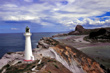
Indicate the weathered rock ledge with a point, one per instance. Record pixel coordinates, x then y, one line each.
13 63
73 57
74 60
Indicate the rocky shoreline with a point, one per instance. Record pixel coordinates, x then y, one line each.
73 59
72 55
45 61
55 56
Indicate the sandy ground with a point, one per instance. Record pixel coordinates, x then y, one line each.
99 51
78 42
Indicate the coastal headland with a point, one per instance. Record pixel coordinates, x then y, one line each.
60 54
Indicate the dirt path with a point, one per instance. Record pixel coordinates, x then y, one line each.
80 39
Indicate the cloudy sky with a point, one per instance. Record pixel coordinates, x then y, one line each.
52 15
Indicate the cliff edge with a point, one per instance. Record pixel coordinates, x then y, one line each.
77 61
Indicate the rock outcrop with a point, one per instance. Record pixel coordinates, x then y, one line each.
47 65
75 58
11 58
70 60
101 33
46 42
13 62
86 63
80 30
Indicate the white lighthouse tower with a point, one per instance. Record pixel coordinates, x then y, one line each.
28 56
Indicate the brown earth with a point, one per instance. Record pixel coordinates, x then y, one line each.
68 53
48 65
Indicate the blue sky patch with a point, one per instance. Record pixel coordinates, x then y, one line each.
52 15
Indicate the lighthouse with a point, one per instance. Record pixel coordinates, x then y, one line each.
28 56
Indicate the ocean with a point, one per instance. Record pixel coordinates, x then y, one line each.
13 42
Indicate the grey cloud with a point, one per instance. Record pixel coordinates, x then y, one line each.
53 10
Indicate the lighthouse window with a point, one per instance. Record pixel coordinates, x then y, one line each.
27 29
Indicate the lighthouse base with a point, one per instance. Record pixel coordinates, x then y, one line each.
31 58
28 60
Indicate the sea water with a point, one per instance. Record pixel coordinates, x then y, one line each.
13 42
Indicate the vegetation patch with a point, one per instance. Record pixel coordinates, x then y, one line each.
19 68
56 66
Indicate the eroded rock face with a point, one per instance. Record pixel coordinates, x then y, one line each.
77 61
79 28
68 53
52 66
11 58
47 65
75 58
46 43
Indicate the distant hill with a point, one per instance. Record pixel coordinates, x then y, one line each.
80 30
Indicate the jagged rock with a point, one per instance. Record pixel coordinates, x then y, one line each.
79 28
70 54
75 59
47 65
88 64
42 44
46 43
11 58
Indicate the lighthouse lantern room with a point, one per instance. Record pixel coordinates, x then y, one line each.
28 56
